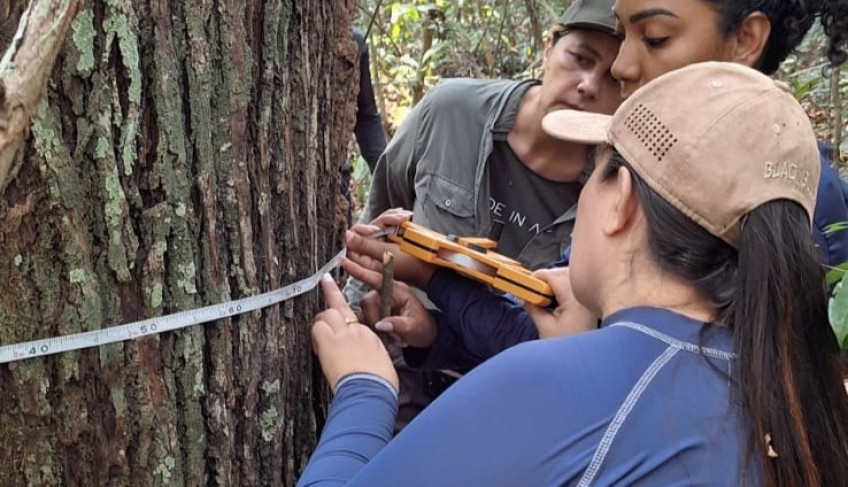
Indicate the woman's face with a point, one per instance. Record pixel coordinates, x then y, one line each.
577 72
662 35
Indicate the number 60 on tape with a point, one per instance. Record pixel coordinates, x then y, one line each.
183 319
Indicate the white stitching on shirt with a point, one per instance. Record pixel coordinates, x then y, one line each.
621 415
711 352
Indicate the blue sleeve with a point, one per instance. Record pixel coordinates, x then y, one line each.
474 323
831 207
359 425
459 439
447 352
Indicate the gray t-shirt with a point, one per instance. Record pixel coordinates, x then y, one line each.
525 202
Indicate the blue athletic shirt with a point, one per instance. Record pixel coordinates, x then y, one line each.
475 324
644 400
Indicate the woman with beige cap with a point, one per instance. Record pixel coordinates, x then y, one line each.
714 363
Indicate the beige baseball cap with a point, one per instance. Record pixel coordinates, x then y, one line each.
715 140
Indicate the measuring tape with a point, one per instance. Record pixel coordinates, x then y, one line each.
152 326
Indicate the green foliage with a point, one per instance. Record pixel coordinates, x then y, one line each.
836 227
837 311
837 306
361 176
836 274
477 38
504 39
810 78
810 83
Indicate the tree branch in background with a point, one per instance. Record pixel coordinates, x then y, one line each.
535 26
25 69
552 12
497 54
427 33
836 103
484 32
386 35
374 66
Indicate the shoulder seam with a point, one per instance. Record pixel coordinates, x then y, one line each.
674 342
622 413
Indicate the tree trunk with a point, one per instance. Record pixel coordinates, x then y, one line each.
185 153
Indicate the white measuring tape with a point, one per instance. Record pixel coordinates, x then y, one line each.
152 326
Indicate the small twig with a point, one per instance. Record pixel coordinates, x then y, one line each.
483 33
386 36
552 12
427 34
386 293
378 85
535 26
386 285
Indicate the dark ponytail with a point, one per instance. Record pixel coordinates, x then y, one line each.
788 375
790 372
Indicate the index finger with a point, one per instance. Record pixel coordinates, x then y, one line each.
370 277
393 217
334 297
368 246
365 229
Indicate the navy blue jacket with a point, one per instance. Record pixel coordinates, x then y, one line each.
831 208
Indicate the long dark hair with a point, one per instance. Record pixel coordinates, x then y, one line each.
770 291
790 20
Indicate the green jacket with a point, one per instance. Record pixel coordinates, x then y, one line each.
436 165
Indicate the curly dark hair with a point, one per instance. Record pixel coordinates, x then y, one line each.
790 21
834 18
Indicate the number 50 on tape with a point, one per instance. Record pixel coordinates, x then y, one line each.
151 326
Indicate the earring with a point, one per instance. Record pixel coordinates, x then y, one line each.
770 451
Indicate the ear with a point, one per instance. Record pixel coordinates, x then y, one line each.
750 39
624 206
546 52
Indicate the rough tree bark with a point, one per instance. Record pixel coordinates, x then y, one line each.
186 152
